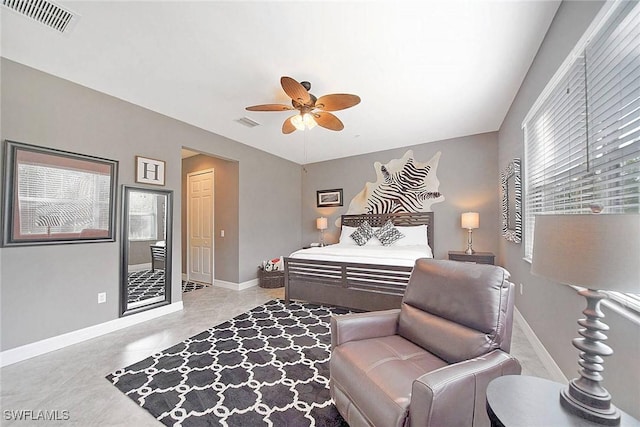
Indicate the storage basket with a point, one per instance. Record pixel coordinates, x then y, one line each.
270 279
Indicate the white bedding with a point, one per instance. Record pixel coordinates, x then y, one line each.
384 255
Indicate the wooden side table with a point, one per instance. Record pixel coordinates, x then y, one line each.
477 257
523 401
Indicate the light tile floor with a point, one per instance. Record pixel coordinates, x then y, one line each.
73 379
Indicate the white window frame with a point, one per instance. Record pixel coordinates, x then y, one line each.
629 303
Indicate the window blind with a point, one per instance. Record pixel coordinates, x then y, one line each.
582 138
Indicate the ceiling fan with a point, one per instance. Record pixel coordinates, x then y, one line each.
312 111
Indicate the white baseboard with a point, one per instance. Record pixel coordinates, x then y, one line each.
18 354
236 286
540 350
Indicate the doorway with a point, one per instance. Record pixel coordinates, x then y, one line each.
200 226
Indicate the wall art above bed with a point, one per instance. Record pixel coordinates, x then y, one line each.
402 185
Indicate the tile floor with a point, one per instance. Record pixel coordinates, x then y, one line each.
72 379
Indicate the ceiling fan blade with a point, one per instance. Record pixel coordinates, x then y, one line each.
269 107
328 121
295 90
287 126
337 101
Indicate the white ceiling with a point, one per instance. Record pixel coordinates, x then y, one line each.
425 70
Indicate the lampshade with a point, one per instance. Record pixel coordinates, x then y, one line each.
470 220
594 251
321 223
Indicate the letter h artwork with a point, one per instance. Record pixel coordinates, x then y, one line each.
149 171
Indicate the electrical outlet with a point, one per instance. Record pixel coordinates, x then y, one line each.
102 297
221 233
521 289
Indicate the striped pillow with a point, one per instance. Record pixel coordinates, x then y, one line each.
388 234
362 234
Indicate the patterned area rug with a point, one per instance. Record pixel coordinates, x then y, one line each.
266 367
145 284
192 286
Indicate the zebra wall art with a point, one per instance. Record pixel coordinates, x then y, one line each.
402 185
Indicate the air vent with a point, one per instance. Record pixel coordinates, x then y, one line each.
45 12
248 122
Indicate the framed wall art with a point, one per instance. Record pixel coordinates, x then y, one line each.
511 189
149 171
327 198
53 196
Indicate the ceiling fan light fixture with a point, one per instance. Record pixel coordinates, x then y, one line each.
303 121
309 121
312 111
297 122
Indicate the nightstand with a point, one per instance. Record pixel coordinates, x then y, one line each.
518 400
477 257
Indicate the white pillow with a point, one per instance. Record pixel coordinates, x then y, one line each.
413 235
345 235
374 240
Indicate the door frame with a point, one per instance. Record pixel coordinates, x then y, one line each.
213 221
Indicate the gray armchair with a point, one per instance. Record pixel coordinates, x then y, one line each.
429 362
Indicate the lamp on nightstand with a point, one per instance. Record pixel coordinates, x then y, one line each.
598 252
470 220
321 224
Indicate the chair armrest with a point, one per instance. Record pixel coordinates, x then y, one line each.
456 394
360 326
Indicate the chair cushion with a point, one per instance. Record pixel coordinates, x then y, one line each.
446 299
386 368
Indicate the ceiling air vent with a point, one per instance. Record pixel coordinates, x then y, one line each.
45 12
248 122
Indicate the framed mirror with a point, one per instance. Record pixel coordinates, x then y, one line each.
146 249
511 188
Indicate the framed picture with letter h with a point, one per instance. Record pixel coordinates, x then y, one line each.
149 171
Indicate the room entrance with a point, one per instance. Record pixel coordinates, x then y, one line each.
200 220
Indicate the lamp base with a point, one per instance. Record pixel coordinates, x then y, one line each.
585 396
572 398
469 250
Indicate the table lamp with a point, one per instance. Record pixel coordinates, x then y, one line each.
599 252
321 224
470 220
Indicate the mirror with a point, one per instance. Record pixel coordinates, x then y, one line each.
511 188
146 249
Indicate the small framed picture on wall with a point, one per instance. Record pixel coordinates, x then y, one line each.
328 198
149 171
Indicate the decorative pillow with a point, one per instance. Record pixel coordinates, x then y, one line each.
388 234
362 234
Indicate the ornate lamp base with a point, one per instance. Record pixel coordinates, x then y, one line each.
469 250
585 396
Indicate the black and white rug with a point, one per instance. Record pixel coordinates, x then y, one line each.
266 367
145 284
188 286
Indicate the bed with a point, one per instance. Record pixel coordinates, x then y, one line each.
373 280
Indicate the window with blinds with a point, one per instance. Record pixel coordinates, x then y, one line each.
143 216
582 137
58 200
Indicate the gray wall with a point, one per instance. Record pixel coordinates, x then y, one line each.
550 309
468 181
226 213
50 290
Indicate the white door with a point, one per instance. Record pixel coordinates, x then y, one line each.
200 225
